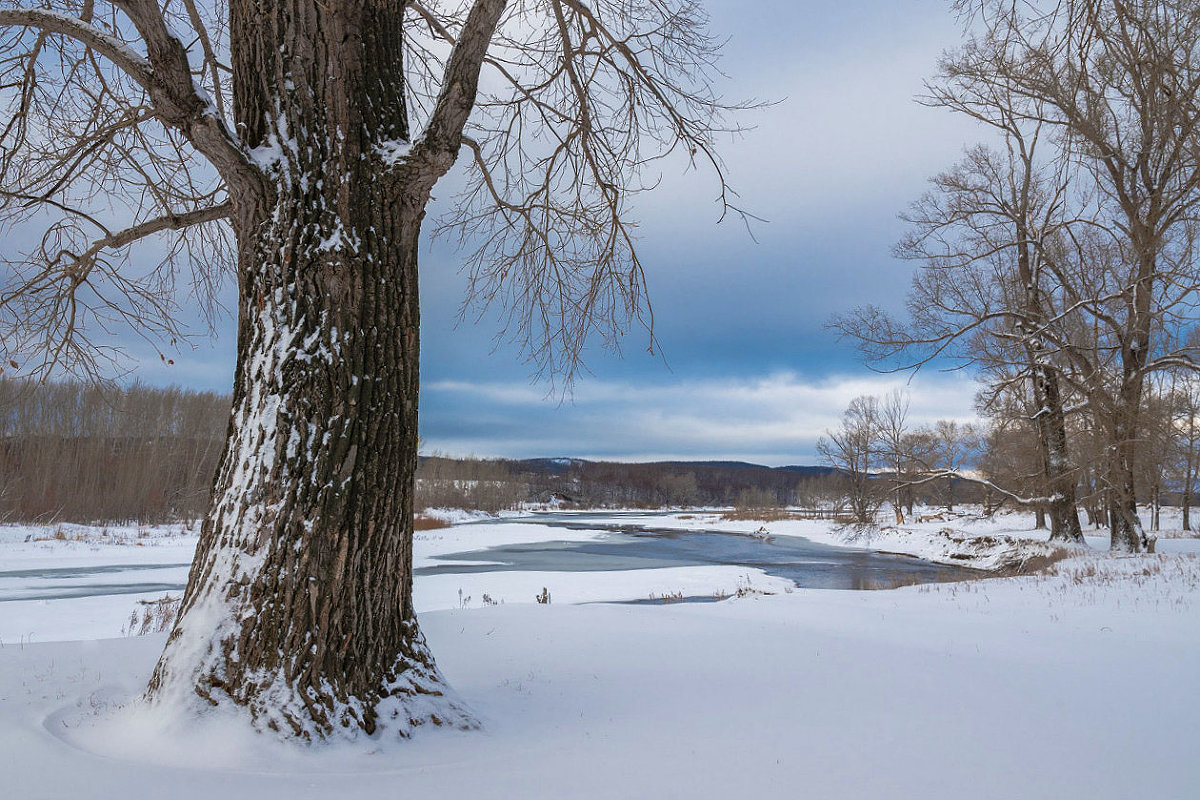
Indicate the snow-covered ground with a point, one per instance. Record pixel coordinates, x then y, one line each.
1075 683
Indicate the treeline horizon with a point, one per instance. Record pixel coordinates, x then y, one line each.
74 452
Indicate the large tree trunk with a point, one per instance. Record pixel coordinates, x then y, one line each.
1127 533
299 603
1057 472
1058 475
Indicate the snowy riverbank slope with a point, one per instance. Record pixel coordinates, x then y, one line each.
1078 685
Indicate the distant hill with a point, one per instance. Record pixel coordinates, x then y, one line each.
500 483
549 465
563 464
809 471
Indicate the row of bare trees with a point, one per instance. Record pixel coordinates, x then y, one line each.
69 451
882 458
1059 259
1168 454
472 483
496 484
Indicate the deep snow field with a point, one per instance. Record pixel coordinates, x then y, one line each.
1078 682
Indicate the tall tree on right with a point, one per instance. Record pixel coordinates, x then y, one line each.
1121 83
1080 262
1121 80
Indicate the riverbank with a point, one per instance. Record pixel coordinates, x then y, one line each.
1005 543
71 582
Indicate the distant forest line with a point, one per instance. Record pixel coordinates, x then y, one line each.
71 452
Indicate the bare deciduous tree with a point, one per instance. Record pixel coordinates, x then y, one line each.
298 144
895 447
984 291
853 449
1011 451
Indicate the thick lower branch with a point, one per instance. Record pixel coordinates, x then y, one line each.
438 147
949 473
167 222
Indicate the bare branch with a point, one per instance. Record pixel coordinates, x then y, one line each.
62 289
180 102
116 51
578 101
943 474
170 222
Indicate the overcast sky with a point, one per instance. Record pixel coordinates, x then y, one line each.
750 371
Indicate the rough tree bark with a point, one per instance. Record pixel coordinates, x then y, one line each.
299 604
1127 532
1059 476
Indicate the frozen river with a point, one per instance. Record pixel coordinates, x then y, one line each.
636 545
624 545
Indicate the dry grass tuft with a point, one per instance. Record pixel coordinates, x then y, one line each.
59 535
757 515
1036 563
157 616
424 522
1181 571
744 589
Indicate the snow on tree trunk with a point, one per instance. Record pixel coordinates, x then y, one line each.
1058 473
1127 532
299 603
